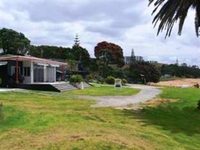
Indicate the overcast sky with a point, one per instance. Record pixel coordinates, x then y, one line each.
124 22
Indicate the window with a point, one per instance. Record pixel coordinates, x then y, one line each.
27 71
13 70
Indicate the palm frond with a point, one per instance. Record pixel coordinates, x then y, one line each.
169 12
197 19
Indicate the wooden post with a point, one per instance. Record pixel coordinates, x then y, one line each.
17 71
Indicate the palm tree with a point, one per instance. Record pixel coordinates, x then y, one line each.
172 11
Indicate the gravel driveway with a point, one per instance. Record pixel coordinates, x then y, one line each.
146 93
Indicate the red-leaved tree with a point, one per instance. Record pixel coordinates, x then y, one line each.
112 52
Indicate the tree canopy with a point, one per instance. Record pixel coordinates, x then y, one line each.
81 54
13 42
110 52
150 72
181 71
50 52
168 12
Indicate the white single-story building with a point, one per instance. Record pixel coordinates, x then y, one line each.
15 69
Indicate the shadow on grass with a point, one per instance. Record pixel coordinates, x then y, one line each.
177 120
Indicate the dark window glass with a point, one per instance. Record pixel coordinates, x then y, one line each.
27 71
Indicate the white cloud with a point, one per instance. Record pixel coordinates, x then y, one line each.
127 23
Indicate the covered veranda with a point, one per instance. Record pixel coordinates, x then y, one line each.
30 70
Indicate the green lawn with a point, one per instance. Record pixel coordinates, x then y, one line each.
53 121
180 120
105 91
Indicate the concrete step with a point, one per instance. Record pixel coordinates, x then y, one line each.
63 87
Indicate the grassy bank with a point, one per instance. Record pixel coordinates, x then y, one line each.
39 120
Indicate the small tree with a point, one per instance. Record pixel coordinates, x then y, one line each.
76 79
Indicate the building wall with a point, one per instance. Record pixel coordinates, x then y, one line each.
27 79
39 73
127 59
51 74
44 73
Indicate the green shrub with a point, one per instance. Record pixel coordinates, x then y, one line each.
124 81
150 72
100 79
198 105
90 77
110 80
1 112
76 79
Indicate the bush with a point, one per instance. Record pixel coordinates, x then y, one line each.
76 79
100 80
124 81
150 72
110 80
90 78
0 81
1 112
198 105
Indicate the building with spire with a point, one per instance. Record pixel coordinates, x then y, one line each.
132 56
132 53
132 59
177 62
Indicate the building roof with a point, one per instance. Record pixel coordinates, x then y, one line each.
31 59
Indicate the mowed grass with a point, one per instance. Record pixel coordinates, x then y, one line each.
180 120
53 121
105 91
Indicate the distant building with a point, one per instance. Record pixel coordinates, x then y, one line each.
127 59
177 62
133 58
139 59
153 62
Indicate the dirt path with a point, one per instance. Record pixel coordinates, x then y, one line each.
146 93
178 83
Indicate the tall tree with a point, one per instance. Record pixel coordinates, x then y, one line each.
109 52
171 11
76 41
13 42
79 53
